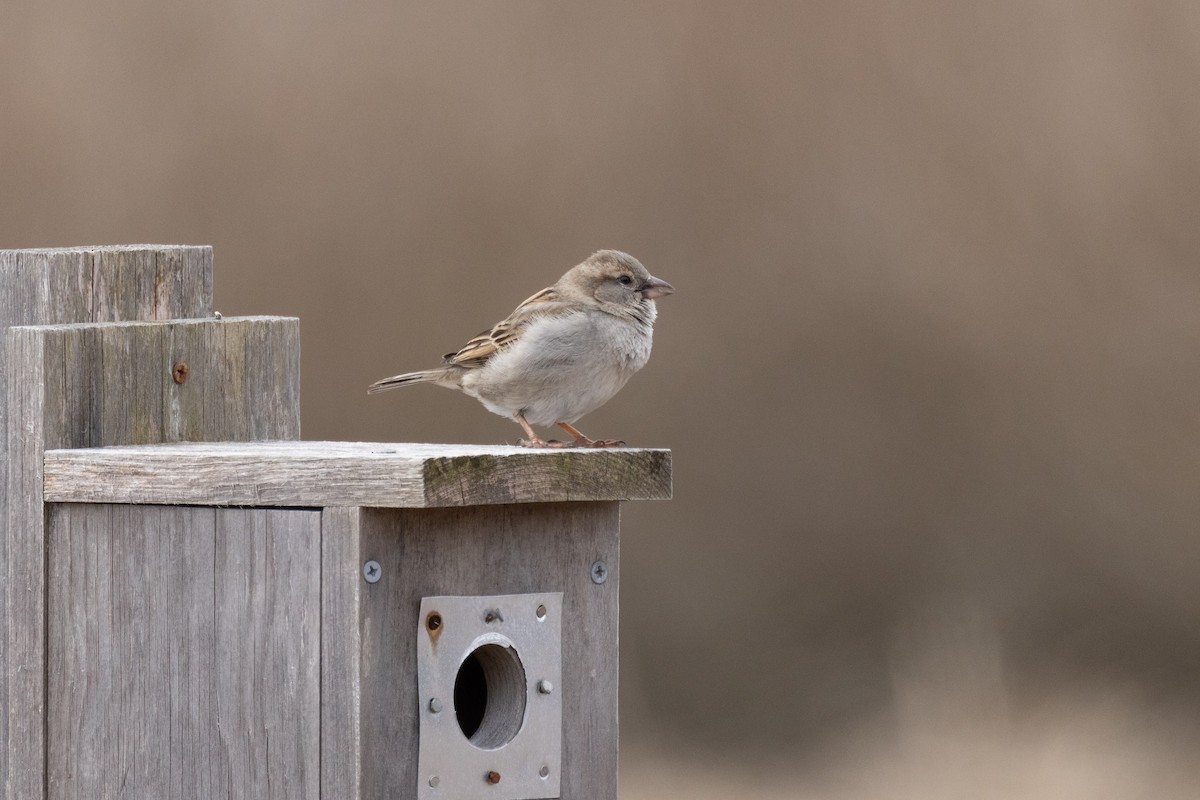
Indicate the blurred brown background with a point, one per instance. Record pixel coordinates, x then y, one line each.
930 376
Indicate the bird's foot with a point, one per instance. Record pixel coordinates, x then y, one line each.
584 441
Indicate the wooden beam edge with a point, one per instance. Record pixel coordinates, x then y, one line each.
322 474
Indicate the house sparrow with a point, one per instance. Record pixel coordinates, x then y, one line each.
562 353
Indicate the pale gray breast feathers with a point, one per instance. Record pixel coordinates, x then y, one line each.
562 367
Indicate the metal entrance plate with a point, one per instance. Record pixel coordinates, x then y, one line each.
489 672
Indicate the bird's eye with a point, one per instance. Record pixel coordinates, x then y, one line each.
625 280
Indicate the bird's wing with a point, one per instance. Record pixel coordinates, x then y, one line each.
476 352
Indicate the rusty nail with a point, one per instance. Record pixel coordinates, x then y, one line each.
434 621
180 371
493 777
493 615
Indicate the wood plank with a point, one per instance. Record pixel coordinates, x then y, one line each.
35 287
183 283
129 382
52 287
184 653
319 474
268 625
197 406
484 551
8 266
150 282
341 653
262 387
25 567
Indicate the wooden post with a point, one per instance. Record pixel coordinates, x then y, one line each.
50 287
195 612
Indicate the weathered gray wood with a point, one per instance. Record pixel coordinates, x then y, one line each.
483 551
341 653
104 284
24 589
96 384
8 262
184 655
353 474
269 621
260 346
50 287
112 383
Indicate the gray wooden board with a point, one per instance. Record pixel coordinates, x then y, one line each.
510 549
322 474
24 589
184 652
102 384
112 383
341 653
66 285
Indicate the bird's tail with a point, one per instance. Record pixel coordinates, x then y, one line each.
407 379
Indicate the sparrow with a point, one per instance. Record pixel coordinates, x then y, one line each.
562 353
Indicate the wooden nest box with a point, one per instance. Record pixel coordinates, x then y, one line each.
197 604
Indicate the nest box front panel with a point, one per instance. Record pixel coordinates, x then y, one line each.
545 664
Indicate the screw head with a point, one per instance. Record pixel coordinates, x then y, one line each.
541 612
544 771
433 621
493 777
434 781
545 687
435 705
179 372
493 615
372 572
599 572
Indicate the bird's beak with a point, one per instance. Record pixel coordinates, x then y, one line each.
656 288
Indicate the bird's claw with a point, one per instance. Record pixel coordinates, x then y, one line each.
580 442
586 442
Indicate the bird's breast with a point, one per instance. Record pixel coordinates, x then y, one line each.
562 368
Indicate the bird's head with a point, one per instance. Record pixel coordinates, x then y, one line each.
615 281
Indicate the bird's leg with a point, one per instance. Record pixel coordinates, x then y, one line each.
534 440
583 441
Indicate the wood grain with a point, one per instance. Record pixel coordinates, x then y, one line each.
484 551
24 590
184 653
321 474
43 402
341 653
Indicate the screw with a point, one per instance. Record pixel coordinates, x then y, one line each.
545 687
180 372
435 705
599 572
544 771
434 781
372 572
434 621
493 615
541 612
493 777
